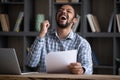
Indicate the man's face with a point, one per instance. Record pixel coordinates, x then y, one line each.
65 16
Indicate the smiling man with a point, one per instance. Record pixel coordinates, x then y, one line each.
61 39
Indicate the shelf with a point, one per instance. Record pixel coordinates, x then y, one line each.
99 34
18 33
31 33
110 67
117 34
12 3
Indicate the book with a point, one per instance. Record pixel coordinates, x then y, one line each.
60 1
7 19
89 17
18 21
118 21
4 22
93 22
74 0
76 25
110 26
96 24
39 19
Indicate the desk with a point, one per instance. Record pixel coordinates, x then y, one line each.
44 76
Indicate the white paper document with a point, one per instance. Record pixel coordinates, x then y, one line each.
57 62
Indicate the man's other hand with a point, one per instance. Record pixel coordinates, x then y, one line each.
76 68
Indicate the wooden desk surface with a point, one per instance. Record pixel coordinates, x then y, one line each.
44 76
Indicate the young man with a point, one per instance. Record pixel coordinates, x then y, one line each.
63 38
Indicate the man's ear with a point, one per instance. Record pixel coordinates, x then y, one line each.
75 20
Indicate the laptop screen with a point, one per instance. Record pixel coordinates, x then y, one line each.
8 61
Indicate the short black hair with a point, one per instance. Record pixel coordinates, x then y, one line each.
60 5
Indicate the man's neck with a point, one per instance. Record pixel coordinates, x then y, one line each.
63 33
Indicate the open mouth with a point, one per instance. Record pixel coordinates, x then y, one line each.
63 17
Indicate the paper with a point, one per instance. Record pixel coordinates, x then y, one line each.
57 62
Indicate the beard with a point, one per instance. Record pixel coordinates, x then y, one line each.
63 26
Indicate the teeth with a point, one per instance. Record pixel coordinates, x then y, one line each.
63 18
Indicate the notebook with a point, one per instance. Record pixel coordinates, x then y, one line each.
9 62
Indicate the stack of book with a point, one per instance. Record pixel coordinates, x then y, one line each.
94 25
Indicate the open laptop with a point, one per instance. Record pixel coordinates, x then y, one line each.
9 62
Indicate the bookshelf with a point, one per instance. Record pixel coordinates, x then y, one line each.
24 38
104 44
11 39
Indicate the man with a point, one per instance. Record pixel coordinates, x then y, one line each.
63 38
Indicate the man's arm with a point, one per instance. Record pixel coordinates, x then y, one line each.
84 63
34 54
85 57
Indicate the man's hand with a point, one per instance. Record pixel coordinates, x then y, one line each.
76 68
44 28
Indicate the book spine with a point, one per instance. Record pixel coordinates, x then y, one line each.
18 22
74 0
96 24
90 20
62 1
118 21
4 22
110 26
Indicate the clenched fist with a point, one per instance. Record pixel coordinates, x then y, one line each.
44 28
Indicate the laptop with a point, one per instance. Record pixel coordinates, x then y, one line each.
9 62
